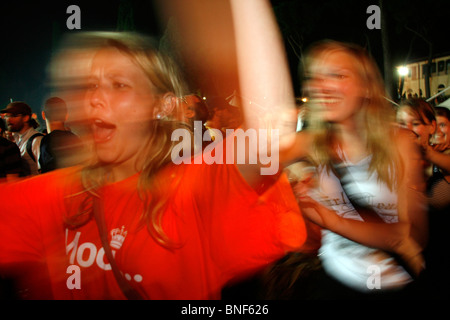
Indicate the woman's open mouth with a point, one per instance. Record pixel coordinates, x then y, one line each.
327 101
102 131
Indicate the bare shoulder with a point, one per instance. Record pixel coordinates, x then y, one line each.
407 144
405 138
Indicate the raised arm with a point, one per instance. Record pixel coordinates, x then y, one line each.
235 46
265 85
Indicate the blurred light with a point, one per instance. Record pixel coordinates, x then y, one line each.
305 99
403 71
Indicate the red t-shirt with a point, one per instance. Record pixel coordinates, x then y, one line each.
223 229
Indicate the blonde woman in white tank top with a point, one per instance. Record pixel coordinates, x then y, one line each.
359 154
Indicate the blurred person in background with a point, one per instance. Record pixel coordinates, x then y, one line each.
368 194
59 148
436 154
20 121
418 116
442 137
196 115
430 126
439 149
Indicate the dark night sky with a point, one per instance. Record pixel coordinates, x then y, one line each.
29 29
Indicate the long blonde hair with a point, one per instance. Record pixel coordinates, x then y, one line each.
378 116
166 77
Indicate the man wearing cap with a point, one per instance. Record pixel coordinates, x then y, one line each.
20 122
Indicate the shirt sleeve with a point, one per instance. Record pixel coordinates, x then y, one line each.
21 251
246 230
19 230
31 220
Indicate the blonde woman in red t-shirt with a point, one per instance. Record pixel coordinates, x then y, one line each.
169 231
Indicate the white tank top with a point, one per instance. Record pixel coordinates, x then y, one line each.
355 265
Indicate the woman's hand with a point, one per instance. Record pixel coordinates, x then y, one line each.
391 237
317 213
411 254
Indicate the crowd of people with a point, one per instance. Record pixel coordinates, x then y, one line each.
357 209
40 152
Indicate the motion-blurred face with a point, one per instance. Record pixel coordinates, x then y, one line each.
15 122
335 86
408 119
441 136
121 105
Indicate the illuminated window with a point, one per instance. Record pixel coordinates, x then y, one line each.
441 66
424 70
413 73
